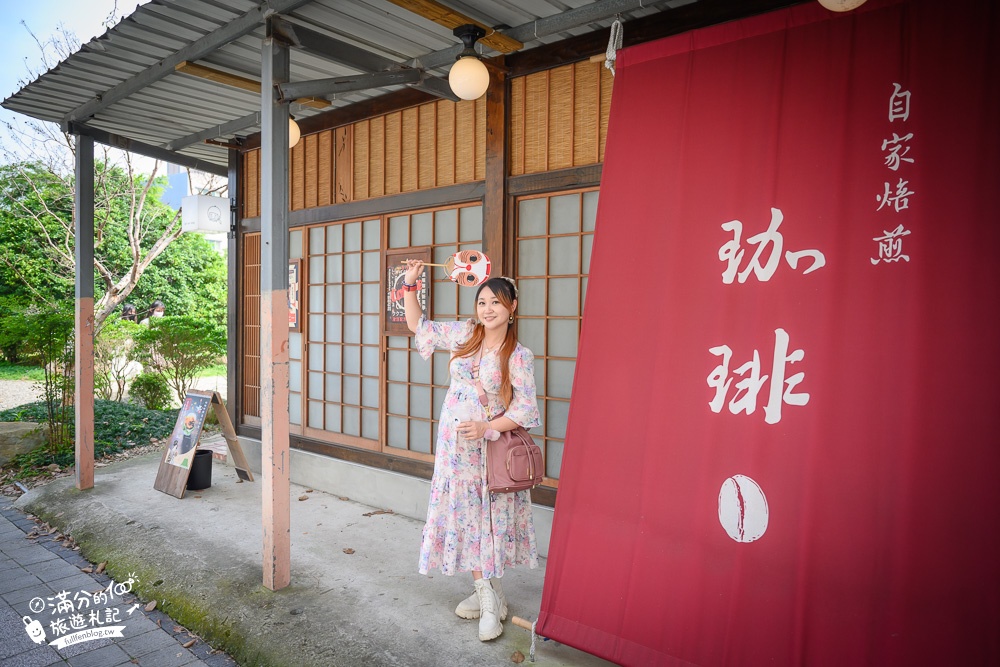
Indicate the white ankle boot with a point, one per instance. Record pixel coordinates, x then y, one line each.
489 610
469 607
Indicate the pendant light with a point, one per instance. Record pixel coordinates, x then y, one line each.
469 77
841 5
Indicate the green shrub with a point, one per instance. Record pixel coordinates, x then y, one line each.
150 390
178 347
112 350
117 427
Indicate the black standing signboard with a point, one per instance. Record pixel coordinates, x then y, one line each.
175 466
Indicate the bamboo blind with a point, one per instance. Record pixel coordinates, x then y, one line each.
559 118
250 349
320 168
432 145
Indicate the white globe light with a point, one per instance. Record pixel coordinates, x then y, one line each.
469 78
841 5
293 133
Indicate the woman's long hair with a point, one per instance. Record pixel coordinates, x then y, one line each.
506 295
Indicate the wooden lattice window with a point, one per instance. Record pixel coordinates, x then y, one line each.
415 389
250 333
555 234
336 383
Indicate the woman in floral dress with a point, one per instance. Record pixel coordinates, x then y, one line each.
492 389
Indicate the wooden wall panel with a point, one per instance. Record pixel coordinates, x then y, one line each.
250 331
251 193
426 149
587 114
343 147
479 145
409 138
444 167
435 144
377 165
362 149
296 177
324 170
607 81
516 128
311 198
561 107
393 153
559 118
465 141
536 121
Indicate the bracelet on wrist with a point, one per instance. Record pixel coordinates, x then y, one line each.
408 287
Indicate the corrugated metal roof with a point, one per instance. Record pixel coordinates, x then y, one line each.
158 110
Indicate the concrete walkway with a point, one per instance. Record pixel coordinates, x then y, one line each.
40 579
355 599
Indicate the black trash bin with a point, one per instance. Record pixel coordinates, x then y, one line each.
201 470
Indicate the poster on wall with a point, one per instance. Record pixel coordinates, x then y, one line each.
294 302
395 315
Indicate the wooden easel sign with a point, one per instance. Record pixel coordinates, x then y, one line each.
175 466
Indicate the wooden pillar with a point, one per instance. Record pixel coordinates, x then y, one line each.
83 394
274 317
495 199
234 261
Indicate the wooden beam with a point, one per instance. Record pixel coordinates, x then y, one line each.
663 24
370 108
449 18
237 81
155 152
495 199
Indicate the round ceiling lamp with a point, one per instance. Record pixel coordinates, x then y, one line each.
469 77
841 5
293 132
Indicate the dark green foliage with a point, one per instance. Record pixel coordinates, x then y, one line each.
189 278
37 245
45 336
176 348
117 427
150 390
112 351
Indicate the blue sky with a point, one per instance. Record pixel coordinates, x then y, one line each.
18 49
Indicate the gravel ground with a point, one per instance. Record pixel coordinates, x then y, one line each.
18 392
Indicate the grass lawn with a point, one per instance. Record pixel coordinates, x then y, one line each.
212 371
10 371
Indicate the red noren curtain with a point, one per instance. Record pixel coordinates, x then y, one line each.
783 441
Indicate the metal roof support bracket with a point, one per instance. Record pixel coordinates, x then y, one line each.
340 84
193 51
155 152
215 131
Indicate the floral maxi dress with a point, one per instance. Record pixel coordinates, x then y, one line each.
464 533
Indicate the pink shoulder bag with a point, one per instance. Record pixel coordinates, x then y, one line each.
514 461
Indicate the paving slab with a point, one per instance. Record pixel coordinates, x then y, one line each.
355 597
41 582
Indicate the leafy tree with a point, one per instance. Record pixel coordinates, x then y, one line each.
177 347
132 227
112 358
46 335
